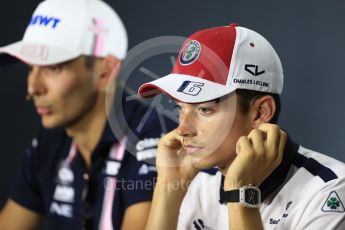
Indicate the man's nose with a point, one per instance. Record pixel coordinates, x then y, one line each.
35 82
186 125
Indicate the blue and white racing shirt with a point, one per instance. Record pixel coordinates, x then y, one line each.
307 191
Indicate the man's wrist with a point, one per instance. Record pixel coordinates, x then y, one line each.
232 184
248 196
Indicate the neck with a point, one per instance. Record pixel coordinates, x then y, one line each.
87 132
223 170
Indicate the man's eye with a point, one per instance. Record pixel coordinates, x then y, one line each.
178 108
54 67
206 110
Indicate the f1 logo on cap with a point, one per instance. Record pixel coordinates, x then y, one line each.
191 88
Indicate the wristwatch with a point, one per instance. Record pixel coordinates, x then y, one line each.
249 196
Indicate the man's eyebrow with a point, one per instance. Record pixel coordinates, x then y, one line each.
65 62
216 101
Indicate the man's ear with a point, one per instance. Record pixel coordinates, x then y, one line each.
108 71
263 110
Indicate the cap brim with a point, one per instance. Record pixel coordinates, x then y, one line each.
35 54
185 88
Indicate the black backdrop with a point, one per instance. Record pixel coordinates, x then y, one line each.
309 37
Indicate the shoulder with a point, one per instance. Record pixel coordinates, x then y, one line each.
139 119
47 143
312 178
314 193
323 168
145 119
145 126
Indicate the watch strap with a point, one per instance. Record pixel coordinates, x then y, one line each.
232 196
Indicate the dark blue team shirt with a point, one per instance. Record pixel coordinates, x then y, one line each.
63 193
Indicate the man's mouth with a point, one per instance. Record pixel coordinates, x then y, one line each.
192 149
43 110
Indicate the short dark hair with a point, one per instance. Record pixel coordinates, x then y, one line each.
247 97
89 61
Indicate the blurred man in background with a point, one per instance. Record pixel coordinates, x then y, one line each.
71 172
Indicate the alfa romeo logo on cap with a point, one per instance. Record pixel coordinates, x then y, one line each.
190 52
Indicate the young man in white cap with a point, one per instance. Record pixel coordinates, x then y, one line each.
77 173
226 83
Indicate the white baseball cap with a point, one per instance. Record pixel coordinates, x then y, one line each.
215 62
61 30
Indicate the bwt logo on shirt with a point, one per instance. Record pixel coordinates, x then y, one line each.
45 21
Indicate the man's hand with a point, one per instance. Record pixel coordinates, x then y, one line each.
175 172
173 164
258 154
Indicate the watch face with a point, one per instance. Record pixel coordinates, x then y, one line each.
251 196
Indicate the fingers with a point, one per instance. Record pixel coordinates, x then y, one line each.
275 142
268 140
257 139
259 154
273 135
172 140
282 143
243 145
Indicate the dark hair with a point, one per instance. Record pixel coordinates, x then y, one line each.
247 97
89 61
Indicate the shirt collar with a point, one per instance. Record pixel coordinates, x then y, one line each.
108 135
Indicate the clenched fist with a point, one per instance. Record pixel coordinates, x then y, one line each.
258 154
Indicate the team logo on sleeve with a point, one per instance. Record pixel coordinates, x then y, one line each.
190 52
147 149
146 169
333 203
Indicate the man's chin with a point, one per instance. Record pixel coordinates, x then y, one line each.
202 163
49 124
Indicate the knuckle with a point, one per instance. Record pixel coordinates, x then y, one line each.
283 135
275 129
254 134
242 139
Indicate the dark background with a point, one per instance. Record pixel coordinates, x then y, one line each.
309 37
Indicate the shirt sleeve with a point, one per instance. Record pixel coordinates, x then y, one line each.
25 187
139 183
141 173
